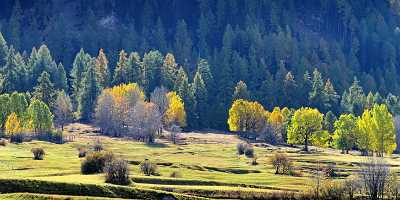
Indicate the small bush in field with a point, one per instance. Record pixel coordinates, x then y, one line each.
82 152
148 168
240 148
254 161
95 162
117 172
329 171
249 151
3 142
38 153
98 146
176 174
281 163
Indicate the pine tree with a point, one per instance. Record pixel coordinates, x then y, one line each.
290 90
88 95
136 65
317 96
3 51
183 44
159 36
15 23
62 82
79 68
203 68
102 71
123 71
169 71
354 99
152 64
10 73
241 91
45 91
201 98
369 102
185 91
331 96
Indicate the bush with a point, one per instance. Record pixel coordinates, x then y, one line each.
148 168
95 162
249 151
98 146
176 174
281 163
240 148
82 152
117 172
3 142
38 153
17 138
254 161
329 171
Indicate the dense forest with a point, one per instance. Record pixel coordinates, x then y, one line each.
339 56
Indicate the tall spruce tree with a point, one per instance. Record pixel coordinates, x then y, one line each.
102 71
79 68
88 95
3 51
45 91
201 99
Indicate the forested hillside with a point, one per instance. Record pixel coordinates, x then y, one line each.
336 55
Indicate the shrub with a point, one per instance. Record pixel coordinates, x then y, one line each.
117 172
17 138
249 151
329 171
281 163
148 168
176 174
98 146
82 152
95 162
38 153
3 142
254 161
240 148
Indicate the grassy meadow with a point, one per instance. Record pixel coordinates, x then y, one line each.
207 162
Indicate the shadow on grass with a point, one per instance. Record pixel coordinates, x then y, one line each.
157 145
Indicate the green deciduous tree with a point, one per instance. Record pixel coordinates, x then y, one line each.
306 124
345 132
384 131
40 119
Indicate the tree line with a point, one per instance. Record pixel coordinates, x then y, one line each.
372 132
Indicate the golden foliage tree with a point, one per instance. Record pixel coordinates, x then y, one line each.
13 125
247 117
175 114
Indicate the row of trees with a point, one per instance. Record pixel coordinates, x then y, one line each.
373 131
19 116
89 75
123 111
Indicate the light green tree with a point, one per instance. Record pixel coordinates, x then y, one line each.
345 132
40 117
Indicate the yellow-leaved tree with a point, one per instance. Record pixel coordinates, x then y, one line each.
247 117
175 113
13 125
275 119
384 137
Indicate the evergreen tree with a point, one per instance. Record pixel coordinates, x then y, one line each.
354 99
88 95
152 64
328 125
15 24
10 73
201 98
317 96
123 72
102 71
183 44
45 91
159 36
62 82
203 68
185 91
136 65
331 96
3 51
369 102
169 71
290 90
393 104
241 91
79 68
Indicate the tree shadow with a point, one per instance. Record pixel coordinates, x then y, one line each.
157 145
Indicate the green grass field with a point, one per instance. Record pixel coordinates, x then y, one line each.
208 164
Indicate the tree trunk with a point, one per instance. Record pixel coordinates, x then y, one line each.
306 143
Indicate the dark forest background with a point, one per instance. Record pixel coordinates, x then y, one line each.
288 53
